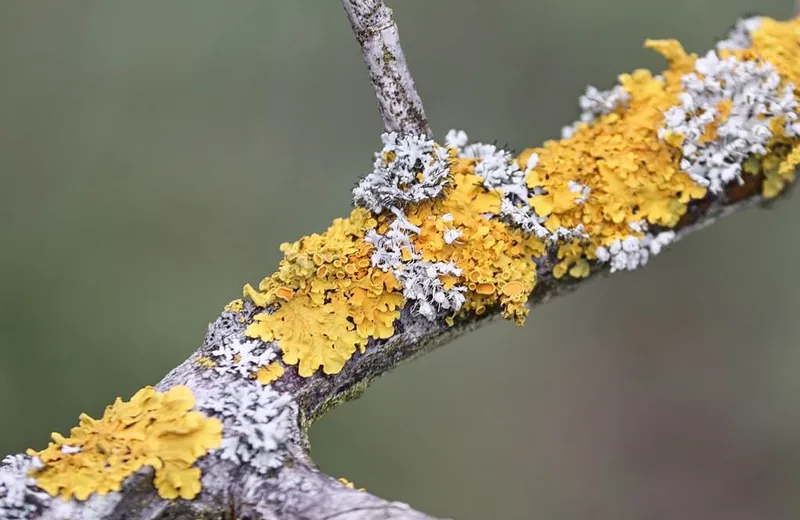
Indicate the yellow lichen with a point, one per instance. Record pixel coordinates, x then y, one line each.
329 298
205 361
776 43
152 429
490 253
235 306
349 484
617 177
267 374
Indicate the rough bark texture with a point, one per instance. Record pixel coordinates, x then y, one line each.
376 32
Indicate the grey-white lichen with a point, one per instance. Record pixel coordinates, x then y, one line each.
632 252
408 170
422 285
581 189
256 424
388 248
496 165
500 171
394 252
241 356
595 103
741 36
20 497
523 217
756 99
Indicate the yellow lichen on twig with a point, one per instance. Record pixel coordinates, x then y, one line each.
454 230
152 429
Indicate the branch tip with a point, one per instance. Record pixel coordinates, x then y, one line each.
398 101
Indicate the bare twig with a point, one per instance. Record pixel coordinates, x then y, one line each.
376 32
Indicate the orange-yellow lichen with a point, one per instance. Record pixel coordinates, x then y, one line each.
775 43
205 361
329 299
632 174
235 306
152 429
349 484
267 374
613 179
489 252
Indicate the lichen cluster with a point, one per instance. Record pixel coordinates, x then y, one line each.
443 232
152 429
455 229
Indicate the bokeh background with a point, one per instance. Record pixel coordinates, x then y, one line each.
154 154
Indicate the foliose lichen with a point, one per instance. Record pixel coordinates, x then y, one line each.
152 429
257 420
20 497
452 230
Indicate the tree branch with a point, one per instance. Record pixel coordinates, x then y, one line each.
263 468
399 104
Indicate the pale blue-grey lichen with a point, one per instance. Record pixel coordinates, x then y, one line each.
241 356
595 103
393 251
632 252
256 424
755 96
408 170
20 497
740 37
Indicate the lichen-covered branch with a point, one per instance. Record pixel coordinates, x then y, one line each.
444 237
398 101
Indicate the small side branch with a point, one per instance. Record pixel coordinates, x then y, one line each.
398 101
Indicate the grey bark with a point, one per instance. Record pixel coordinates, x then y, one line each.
398 101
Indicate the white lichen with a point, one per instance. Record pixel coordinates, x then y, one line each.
757 98
456 139
595 103
256 424
408 170
421 281
389 247
581 189
451 235
241 356
422 285
741 36
500 171
20 497
632 252
525 218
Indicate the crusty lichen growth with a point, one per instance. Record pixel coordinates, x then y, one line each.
455 229
328 298
152 429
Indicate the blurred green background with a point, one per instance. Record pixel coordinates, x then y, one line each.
153 155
